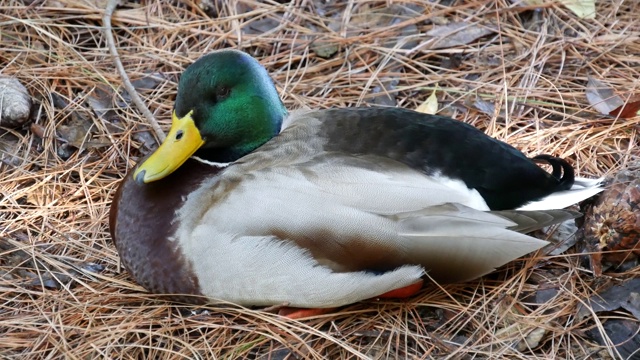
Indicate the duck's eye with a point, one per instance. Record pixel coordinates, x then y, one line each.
179 134
222 93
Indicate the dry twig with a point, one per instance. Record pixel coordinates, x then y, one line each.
106 20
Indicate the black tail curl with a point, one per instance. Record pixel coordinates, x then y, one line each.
561 170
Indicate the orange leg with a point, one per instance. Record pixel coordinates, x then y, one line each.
299 313
403 292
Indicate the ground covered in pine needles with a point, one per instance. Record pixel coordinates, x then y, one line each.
519 72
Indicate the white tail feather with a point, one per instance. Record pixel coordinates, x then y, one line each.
587 183
582 189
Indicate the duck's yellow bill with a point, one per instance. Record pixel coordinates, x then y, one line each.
182 141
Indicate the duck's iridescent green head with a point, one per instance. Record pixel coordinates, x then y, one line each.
226 105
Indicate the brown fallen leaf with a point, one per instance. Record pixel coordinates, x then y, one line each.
457 34
407 36
37 129
101 102
561 237
475 102
50 280
625 296
59 101
624 334
451 61
92 267
77 134
11 153
384 95
22 257
146 138
149 81
628 110
484 106
262 26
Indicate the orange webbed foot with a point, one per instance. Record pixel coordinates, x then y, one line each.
403 292
300 313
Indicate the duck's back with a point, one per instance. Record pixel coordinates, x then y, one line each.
434 145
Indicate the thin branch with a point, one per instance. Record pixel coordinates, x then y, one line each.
106 20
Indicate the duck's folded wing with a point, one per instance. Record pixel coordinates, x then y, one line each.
457 243
355 218
532 220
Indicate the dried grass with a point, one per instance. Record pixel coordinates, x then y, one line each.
53 211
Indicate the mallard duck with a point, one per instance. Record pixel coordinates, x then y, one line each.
248 203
